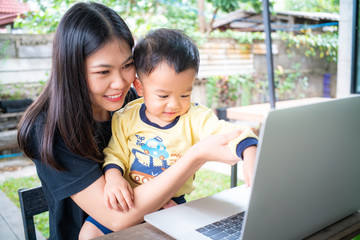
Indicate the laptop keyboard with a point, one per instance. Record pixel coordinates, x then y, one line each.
227 228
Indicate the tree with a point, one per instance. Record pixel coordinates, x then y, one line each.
46 18
141 15
201 16
194 16
225 6
331 6
232 5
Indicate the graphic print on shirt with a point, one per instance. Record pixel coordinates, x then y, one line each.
149 163
154 147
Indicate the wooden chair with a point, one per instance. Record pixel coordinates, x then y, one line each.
32 202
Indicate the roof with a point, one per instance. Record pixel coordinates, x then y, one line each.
13 6
10 9
312 15
285 20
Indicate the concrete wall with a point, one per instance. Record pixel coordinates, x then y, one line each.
26 58
312 67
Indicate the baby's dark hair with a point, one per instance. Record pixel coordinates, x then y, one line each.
166 45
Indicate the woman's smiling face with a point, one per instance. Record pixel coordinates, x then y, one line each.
109 72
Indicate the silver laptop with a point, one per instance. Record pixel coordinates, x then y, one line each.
307 177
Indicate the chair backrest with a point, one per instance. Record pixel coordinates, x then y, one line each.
32 202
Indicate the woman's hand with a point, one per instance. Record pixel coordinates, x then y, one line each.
215 148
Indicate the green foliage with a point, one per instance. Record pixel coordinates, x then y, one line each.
232 5
4 44
356 238
21 90
141 16
255 5
248 85
179 17
46 19
237 90
224 91
328 6
290 83
208 183
325 45
239 37
225 6
221 91
10 188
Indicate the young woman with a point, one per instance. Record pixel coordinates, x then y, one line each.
65 130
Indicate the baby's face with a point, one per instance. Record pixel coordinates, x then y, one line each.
167 94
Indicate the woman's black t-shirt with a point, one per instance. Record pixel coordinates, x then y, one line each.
66 218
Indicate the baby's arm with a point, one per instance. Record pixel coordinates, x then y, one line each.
118 193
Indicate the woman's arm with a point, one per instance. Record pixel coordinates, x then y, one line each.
152 195
249 164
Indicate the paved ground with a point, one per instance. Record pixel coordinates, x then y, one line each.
10 220
11 227
16 167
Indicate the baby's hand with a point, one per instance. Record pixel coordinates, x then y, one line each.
118 194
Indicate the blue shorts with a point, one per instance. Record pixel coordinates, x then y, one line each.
105 230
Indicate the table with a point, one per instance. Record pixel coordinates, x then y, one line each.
257 112
346 228
144 231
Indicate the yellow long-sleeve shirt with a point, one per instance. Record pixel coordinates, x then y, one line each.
144 150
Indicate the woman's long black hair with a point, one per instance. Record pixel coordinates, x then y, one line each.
84 29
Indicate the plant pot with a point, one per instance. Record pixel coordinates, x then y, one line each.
10 106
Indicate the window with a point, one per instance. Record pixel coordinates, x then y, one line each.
355 88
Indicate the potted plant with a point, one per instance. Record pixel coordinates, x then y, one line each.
225 91
17 97
14 99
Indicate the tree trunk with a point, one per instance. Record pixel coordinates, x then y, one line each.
210 28
201 16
